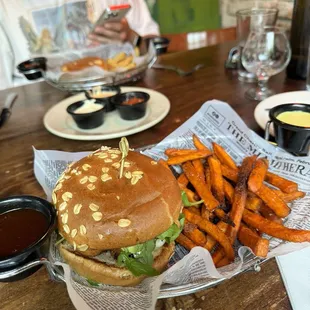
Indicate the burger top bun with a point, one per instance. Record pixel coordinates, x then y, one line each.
98 210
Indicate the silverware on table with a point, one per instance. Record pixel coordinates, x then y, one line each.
7 108
178 70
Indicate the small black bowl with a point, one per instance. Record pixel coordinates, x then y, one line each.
107 101
89 120
33 68
131 112
27 202
161 44
294 139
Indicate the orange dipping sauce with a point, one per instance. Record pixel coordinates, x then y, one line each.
132 101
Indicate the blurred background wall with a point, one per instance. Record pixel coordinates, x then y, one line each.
180 16
177 16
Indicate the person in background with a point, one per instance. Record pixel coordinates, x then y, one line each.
33 28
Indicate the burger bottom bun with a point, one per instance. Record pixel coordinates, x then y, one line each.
112 275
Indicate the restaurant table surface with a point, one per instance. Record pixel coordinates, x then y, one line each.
24 129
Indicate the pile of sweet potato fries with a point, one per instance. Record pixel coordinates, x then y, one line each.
226 202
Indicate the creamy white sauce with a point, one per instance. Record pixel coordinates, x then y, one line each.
97 93
89 106
103 94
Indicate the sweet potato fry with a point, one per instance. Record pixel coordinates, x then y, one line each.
288 197
273 201
199 168
223 262
283 184
176 160
208 177
193 233
194 210
267 213
202 190
164 163
179 152
198 144
213 231
182 180
205 213
211 242
251 239
240 196
253 203
275 229
257 176
223 157
229 191
218 255
217 181
184 241
229 173
224 217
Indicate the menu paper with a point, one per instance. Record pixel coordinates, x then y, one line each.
216 122
296 279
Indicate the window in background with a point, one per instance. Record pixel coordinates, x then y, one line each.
230 7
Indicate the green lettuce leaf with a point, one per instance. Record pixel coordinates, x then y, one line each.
92 283
187 203
138 259
173 232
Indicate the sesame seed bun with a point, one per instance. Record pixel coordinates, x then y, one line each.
112 275
98 211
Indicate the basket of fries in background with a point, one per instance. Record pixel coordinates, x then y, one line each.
110 64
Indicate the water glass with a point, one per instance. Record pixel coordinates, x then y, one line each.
251 20
266 53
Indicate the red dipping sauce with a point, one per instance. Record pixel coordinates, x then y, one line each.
132 101
19 229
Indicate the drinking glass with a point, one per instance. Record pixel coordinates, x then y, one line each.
266 53
251 20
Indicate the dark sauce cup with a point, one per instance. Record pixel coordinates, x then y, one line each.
293 139
89 120
161 44
33 68
107 101
16 203
131 112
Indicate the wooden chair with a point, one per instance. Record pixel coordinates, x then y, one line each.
192 40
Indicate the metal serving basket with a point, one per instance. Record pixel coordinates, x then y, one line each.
250 263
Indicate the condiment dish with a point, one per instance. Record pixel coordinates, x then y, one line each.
87 118
292 138
16 214
131 105
33 68
104 94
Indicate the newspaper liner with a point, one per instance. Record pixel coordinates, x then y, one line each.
215 121
106 51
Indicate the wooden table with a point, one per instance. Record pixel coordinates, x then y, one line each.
263 290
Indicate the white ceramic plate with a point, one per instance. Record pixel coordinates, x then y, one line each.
261 112
60 123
